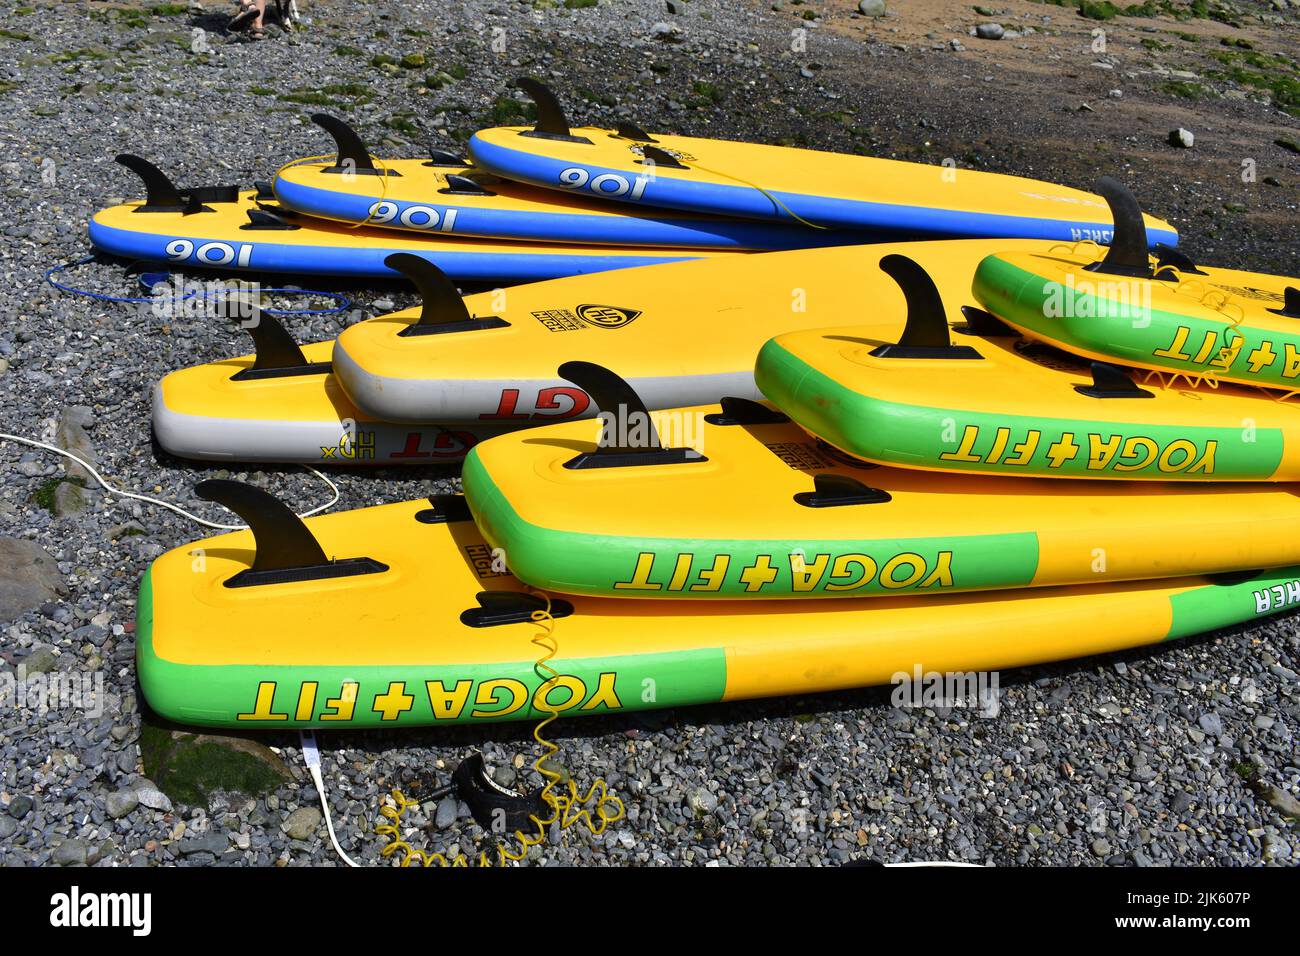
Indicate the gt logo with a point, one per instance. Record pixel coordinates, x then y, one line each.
606 316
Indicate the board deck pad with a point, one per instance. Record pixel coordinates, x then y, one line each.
392 647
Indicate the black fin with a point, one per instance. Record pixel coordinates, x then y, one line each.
445 509
633 132
265 219
464 186
984 324
654 156
1167 255
276 354
833 490
353 157
445 157
510 607
925 335
1127 255
744 411
551 121
497 810
617 399
1111 381
441 307
265 192
1290 303
161 194
285 549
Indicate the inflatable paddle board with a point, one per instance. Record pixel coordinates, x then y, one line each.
221 227
446 196
393 616
1167 315
735 501
682 334
829 190
283 404
978 398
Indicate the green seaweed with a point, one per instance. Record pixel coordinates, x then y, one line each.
189 771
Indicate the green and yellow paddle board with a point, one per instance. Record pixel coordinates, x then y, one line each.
762 510
1217 325
407 622
978 398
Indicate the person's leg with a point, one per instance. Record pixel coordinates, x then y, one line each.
256 29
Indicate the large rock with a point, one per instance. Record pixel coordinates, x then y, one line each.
872 8
302 823
189 768
71 435
28 577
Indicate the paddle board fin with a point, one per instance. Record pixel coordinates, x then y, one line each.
925 334
284 549
1127 255
161 194
265 219
444 157
984 324
654 156
276 354
628 435
1290 303
442 309
1111 381
353 157
551 121
745 411
632 131
1169 257
510 607
464 186
444 509
833 491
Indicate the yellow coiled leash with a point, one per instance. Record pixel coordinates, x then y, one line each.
596 809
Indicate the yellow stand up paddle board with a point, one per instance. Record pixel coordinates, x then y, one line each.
223 227
793 186
980 399
735 501
682 334
447 196
396 616
283 404
1202 323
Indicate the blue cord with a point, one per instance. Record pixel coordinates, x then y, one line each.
344 303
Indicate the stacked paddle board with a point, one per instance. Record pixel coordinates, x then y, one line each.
729 489
535 203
